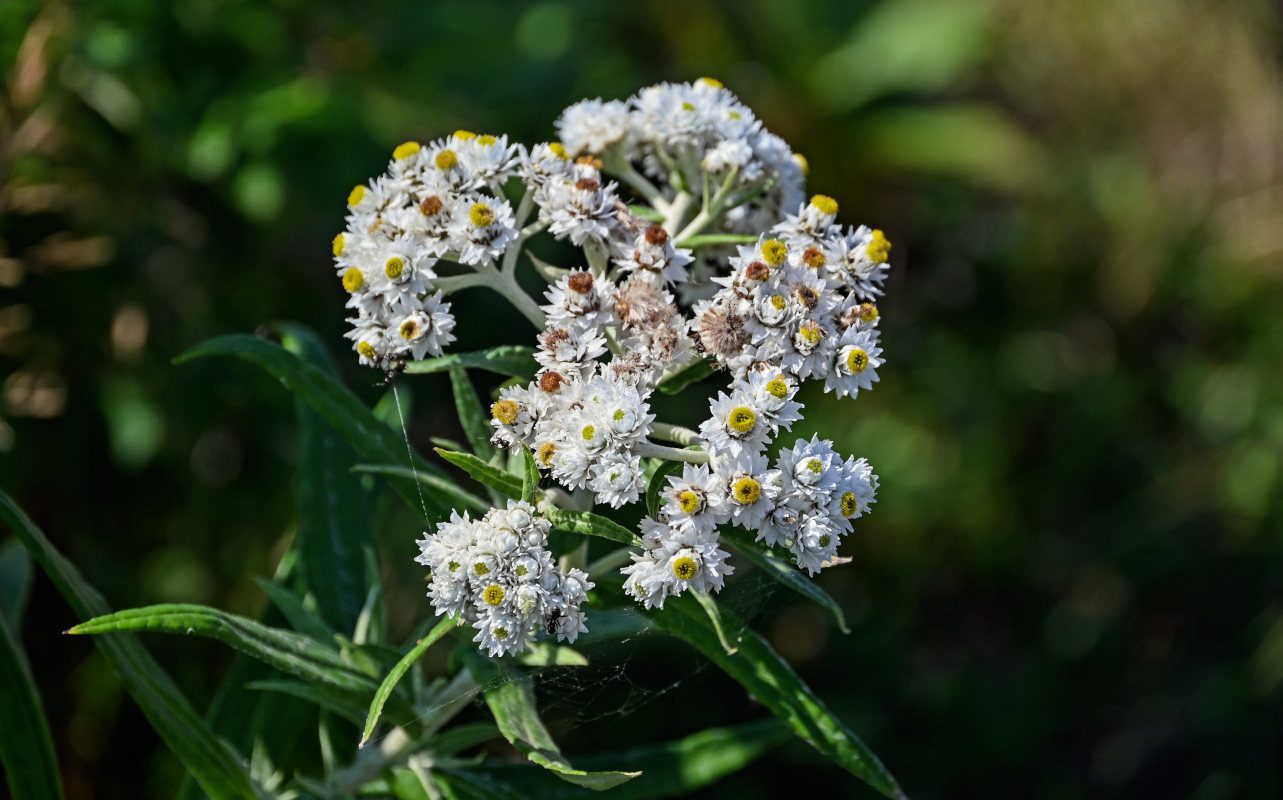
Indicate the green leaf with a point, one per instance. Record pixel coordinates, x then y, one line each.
671 769
334 535
659 482
26 748
543 654
512 702
476 425
774 684
389 683
352 713
15 581
591 524
709 605
519 362
504 483
373 440
781 570
299 618
290 652
215 766
686 376
445 489
461 737
530 476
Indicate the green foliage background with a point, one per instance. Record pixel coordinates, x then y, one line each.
1070 585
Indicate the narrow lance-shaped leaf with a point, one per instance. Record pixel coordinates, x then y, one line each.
512 702
694 373
781 570
220 772
513 360
334 535
659 482
591 524
288 651
476 425
773 683
389 683
530 476
504 483
373 440
26 748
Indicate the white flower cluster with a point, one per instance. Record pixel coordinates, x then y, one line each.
439 201
498 574
686 129
698 245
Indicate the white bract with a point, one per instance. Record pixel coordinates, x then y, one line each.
699 250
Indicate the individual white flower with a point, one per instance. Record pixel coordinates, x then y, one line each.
481 230
581 302
618 479
856 364
653 250
816 546
591 126
691 499
736 425
746 488
581 208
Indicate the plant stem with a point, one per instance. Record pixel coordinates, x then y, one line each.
677 212
675 433
501 282
609 562
652 450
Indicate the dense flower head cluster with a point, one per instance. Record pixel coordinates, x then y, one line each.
699 247
497 573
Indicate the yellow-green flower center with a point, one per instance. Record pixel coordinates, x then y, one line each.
826 204
746 491
618 415
814 465
521 570
713 82
825 539
559 150
685 568
486 140
366 349
588 432
741 420
410 329
355 196
452 566
849 504
505 411
465 135
338 245
879 247
803 163
868 312
493 595
778 388
405 150
688 106
857 360
500 633
778 301
446 159
353 280
394 267
481 215
774 251
545 453
480 568
689 501
811 333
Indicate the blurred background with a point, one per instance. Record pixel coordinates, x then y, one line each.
1071 584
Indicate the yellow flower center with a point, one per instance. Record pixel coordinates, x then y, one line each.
394 267
688 106
446 159
810 333
857 360
588 432
826 204
521 570
778 301
803 163
746 491
559 150
505 411
689 501
410 329
480 568
405 150
741 420
814 257
355 196
778 388
338 245
366 349
545 453
685 568
452 566
849 504
486 140
353 280
618 415
814 465
481 215
500 633
879 248
825 539
493 595
868 312
465 135
774 251
713 82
